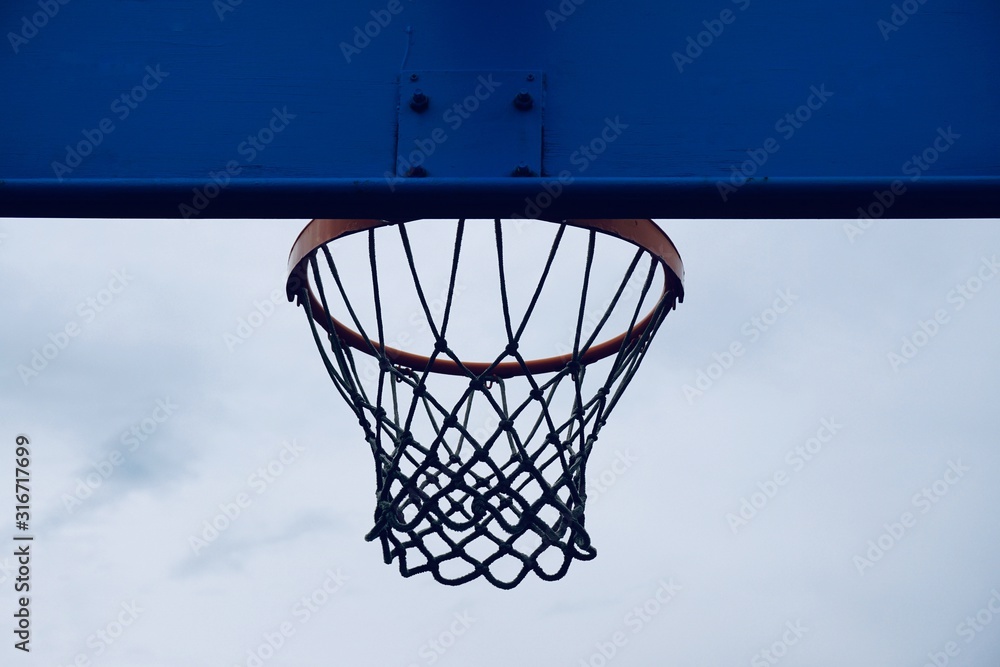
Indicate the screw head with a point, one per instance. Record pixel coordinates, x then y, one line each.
522 169
414 77
419 101
523 100
416 172
530 77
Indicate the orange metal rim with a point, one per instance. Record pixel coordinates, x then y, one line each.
641 232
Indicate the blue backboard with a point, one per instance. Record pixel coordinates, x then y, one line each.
559 108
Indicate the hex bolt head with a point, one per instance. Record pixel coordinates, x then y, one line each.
414 77
419 101
523 100
522 169
416 172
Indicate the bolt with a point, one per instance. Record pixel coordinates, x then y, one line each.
530 77
419 101
417 171
522 169
523 100
414 77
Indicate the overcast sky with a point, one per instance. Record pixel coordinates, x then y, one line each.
828 493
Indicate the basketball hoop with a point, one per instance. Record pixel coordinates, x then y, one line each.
450 500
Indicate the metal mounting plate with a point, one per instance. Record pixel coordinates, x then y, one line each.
470 124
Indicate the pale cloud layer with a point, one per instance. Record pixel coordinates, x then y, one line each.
806 464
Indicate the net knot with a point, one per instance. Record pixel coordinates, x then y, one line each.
511 348
383 510
440 345
479 506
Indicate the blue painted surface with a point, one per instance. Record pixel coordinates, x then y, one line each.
670 137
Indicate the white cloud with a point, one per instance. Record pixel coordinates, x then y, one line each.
663 518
